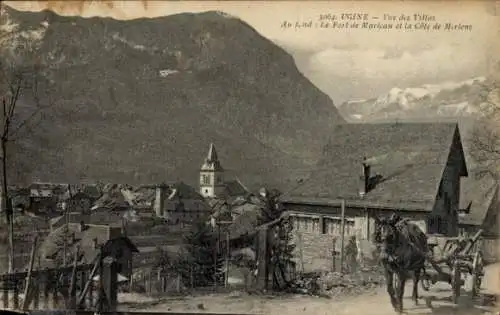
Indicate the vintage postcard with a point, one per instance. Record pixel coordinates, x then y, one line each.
250 157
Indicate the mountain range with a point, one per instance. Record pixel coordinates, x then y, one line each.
140 101
465 99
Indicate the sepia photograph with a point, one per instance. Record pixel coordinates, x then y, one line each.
249 157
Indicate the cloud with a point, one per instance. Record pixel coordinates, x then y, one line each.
390 64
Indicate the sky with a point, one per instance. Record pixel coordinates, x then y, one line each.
345 64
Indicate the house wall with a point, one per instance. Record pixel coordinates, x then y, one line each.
491 222
183 217
317 231
48 204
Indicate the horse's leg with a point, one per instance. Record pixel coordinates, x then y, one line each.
389 279
416 278
400 291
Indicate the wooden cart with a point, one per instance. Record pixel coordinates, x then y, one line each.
461 257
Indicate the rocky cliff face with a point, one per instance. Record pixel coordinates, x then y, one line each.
140 100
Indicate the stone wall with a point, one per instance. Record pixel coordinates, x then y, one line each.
313 251
317 233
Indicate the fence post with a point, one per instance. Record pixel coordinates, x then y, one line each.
54 278
15 282
334 255
263 259
27 287
72 285
5 294
46 288
342 232
150 281
36 295
228 254
110 285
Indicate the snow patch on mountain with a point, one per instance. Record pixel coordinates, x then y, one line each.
131 44
448 99
12 38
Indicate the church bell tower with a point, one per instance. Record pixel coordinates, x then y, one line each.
212 175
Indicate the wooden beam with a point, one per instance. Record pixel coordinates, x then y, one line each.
263 260
27 288
72 285
89 281
342 232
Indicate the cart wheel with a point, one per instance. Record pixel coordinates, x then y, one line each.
477 274
455 282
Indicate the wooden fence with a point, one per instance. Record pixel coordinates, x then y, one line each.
155 281
72 287
47 287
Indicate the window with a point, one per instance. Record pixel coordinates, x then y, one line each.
205 179
437 225
315 225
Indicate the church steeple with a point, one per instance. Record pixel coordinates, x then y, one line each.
212 162
212 153
211 175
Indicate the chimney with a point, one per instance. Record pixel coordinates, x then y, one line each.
159 200
96 244
364 185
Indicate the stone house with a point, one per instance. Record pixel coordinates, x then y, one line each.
180 204
46 197
411 169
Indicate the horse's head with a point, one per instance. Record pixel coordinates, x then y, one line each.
387 235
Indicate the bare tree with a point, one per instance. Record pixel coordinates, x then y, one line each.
485 136
20 97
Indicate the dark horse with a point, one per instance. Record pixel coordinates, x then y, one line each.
403 252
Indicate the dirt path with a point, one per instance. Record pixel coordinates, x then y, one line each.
376 302
373 303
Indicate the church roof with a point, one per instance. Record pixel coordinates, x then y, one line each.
212 154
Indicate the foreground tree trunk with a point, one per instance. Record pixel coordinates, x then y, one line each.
6 205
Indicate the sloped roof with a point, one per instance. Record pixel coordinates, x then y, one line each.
85 239
182 197
111 198
144 195
102 217
235 188
409 160
183 191
244 224
48 190
477 195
